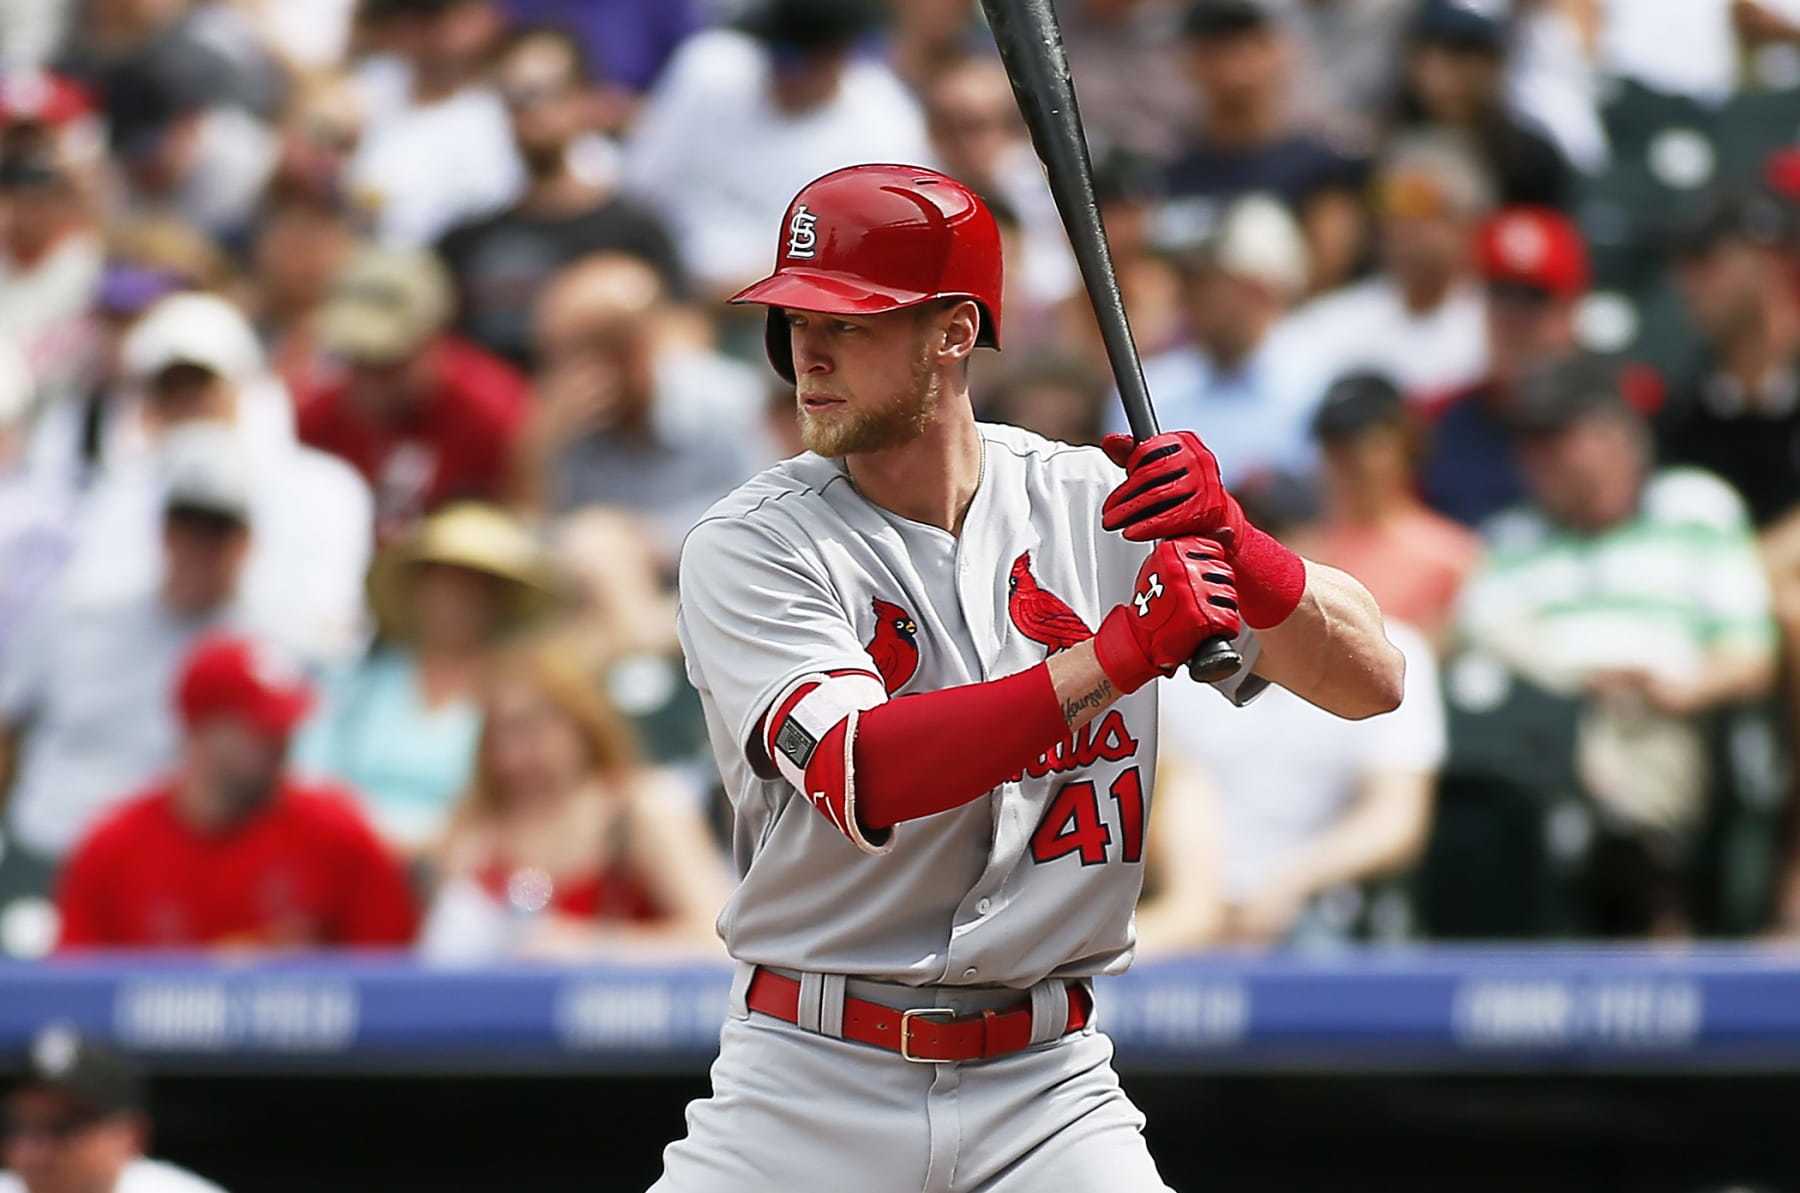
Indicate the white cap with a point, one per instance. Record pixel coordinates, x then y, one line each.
194 329
203 468
1256 238
17 386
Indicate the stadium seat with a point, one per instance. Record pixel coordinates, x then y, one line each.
1738 856
1490 868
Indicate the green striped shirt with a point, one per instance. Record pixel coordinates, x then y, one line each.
1679 581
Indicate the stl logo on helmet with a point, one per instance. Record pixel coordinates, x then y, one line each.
802 239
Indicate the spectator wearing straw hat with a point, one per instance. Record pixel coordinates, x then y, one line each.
230 851
426 417
400 726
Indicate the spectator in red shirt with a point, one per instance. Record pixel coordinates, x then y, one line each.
1413 560
230 852
427 417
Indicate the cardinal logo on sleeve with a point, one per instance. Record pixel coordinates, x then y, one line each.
1040 614
895 646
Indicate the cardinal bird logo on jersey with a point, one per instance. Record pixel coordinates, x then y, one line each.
1040 614
895 646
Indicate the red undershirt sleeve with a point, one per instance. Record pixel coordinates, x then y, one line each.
920 755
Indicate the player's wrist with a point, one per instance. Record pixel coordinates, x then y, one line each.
1270 578
1120 655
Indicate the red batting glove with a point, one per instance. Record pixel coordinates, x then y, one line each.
1171 489
1184 596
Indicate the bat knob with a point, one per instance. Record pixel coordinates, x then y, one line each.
1216 659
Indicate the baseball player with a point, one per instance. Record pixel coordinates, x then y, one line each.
926 651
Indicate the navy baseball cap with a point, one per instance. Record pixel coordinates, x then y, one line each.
808 26
1279 501
1220 19
1759 216
99 1081
1462 24
1354 403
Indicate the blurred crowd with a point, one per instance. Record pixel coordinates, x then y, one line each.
363 363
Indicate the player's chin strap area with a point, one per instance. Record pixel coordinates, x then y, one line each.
967 1028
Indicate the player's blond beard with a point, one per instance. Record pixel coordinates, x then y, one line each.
897 421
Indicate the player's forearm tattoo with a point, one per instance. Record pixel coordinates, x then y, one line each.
1093 700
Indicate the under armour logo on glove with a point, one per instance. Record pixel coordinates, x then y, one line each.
1151 592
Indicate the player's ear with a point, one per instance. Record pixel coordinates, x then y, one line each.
960 324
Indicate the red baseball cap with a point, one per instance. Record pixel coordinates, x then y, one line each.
865 240
1536 247
230 676
1782 173
35 97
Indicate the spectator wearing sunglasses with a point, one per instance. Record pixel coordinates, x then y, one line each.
79 1122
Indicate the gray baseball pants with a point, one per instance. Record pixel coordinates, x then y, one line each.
806 1111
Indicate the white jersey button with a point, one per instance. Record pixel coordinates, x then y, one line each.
983 906
970 972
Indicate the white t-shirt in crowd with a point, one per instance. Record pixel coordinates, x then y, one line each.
311 533
1552 83
140 1176
1256 418
1046 267
43 307
1284 770
1688 47
313 35
1368 326
424 168
715 157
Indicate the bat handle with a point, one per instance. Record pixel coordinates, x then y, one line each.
1216 659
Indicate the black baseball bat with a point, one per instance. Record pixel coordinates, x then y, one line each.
1031 46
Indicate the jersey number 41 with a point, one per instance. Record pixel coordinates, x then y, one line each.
1073 823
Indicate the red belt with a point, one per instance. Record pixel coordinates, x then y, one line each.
923 1034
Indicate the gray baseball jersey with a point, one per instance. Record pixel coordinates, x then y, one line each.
795 574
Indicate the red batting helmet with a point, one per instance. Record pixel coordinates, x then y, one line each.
868 239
